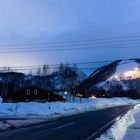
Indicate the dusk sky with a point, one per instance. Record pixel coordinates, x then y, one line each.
42 21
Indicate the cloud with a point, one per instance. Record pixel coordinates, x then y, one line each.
28 21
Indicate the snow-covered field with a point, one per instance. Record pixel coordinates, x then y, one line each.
127 128
30 113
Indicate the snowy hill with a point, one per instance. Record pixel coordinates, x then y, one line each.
64 78
100 75
125 81
116 79
126 68
127 75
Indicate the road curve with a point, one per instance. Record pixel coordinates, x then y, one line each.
85 126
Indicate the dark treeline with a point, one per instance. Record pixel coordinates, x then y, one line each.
69 78
123 88
64 77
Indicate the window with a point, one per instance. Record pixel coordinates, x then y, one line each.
28 91
35 91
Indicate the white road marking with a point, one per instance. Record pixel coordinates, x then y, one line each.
64 125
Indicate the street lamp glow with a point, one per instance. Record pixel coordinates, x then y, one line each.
93 97
116 77
136 69
65 92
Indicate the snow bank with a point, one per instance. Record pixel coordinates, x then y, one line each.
119 131
133 131
34 109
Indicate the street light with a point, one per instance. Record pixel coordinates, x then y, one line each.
136 69
116 77
65 92
93 97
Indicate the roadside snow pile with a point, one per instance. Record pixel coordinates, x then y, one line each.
33 109
133 131
120 130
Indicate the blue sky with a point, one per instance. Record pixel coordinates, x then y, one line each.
34 21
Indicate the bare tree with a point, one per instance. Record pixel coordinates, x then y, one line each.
45 70
38 71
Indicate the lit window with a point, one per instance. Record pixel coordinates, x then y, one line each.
35 91
28 91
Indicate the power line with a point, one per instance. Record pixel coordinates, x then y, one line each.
68 49
71 64
30 69
95 44
54 65
65 49
73 45
72 41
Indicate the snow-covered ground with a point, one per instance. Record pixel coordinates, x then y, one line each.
127 128
30 113
34 109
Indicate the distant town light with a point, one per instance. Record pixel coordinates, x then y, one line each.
79 95
136 69
117 77
130 74
93 97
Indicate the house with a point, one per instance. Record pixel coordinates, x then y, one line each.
32 93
